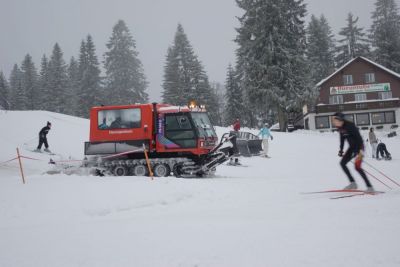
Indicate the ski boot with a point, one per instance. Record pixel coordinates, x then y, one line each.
37 150
370 190
47 150
351 186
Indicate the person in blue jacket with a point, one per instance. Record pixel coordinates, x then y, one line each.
265 134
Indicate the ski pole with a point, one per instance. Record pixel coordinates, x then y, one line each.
377 179
390 179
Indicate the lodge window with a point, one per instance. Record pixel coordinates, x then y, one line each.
383 117
369 77
349 117
322 122
347 79
360 97
362 118
336 99
385 95
119 119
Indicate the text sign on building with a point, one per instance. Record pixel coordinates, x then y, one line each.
362 88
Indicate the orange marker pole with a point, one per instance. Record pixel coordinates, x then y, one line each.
148 162
20 166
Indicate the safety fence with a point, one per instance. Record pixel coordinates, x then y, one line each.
19 158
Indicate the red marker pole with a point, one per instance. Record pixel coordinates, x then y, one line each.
20 166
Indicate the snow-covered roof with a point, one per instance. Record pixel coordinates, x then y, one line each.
351 61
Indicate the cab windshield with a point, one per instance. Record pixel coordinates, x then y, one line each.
203 124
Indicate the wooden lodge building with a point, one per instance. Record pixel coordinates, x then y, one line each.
366 92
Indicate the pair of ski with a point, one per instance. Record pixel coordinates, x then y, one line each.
348 193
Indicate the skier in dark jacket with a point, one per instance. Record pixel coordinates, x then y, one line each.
348 131
43 138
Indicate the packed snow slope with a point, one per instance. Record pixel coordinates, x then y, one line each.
245 216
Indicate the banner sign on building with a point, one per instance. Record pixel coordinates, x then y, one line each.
362 88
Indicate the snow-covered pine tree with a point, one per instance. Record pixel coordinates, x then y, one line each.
385 34
73 86
17 95
219 91
29 78
234 98
58 81
173 85
353 43
203 93
88 91
4 92
43 85
185 78
271 40
181 64
320 48
125 79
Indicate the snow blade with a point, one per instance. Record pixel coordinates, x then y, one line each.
248 144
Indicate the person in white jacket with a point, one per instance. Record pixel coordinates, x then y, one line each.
265 134
373 141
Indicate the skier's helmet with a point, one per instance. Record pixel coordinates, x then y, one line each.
48 123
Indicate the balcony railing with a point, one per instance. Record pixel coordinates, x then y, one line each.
354 106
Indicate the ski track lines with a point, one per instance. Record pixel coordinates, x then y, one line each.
253 216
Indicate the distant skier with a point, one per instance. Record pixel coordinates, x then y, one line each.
373 141
265 134
348 131
381 149
236 125
234 160
43 138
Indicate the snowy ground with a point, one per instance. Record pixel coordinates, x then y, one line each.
246 216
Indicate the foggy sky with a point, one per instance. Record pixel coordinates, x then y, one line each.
33 26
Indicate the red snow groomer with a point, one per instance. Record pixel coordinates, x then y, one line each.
180 140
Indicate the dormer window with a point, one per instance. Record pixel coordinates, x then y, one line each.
347 79
369 77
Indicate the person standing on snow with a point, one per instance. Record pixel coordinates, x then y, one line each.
236 125
234 160
265 133
348 131
43 138
373 141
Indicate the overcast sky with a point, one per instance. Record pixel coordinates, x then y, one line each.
33 26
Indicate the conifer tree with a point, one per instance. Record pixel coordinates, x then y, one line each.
185 78
385 34
73 86
271 53
88 91
353 43
125 79
234 98
43 85
29 81
58 81
17 95
320 48
4 92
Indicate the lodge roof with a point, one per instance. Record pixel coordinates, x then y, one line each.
351 61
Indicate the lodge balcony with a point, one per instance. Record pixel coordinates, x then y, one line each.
356 106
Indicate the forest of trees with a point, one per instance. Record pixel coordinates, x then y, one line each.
279 59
